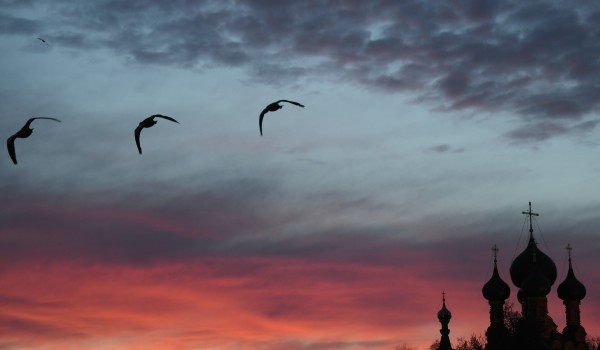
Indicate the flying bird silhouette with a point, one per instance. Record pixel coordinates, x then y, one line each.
44 41
148 123
272 108
24 133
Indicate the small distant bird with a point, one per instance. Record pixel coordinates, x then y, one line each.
44 41
24 133
148 123
272 108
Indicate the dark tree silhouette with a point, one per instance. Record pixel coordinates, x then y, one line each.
474 342
404 347
593 342
511 318
435 345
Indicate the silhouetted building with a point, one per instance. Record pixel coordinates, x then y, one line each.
534 273
496 291
571 291
444 315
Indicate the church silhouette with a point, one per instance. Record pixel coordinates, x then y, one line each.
534 273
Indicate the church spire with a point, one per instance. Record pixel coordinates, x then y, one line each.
444 316
496 291
571 291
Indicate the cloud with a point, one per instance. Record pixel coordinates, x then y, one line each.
17 25
444 148
543 130
536 59
115 228
20 326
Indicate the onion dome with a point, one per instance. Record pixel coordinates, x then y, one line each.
571 289
444 315
523 265
495 289
536 284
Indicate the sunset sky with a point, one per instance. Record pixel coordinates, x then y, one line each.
428 128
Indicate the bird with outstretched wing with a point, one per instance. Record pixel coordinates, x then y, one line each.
24 133
148 123
272 108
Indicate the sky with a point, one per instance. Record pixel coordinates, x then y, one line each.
427 129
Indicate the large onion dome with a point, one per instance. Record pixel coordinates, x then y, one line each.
536 284
496 289
523 265
571 289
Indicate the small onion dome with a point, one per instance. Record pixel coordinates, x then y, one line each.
444 314
536 284
522 266
496 288
571 289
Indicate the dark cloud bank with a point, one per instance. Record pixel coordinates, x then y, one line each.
537 59
38 228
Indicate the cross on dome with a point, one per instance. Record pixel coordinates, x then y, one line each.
531 214
495 250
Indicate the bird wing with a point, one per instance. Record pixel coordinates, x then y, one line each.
10 145
260 120
138 130
32 119
292 102
165 117
56 120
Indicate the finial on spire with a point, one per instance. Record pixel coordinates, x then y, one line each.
495 250
444 296
531 214
569 249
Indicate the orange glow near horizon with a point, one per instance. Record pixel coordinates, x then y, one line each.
151 280
274 303
183 306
